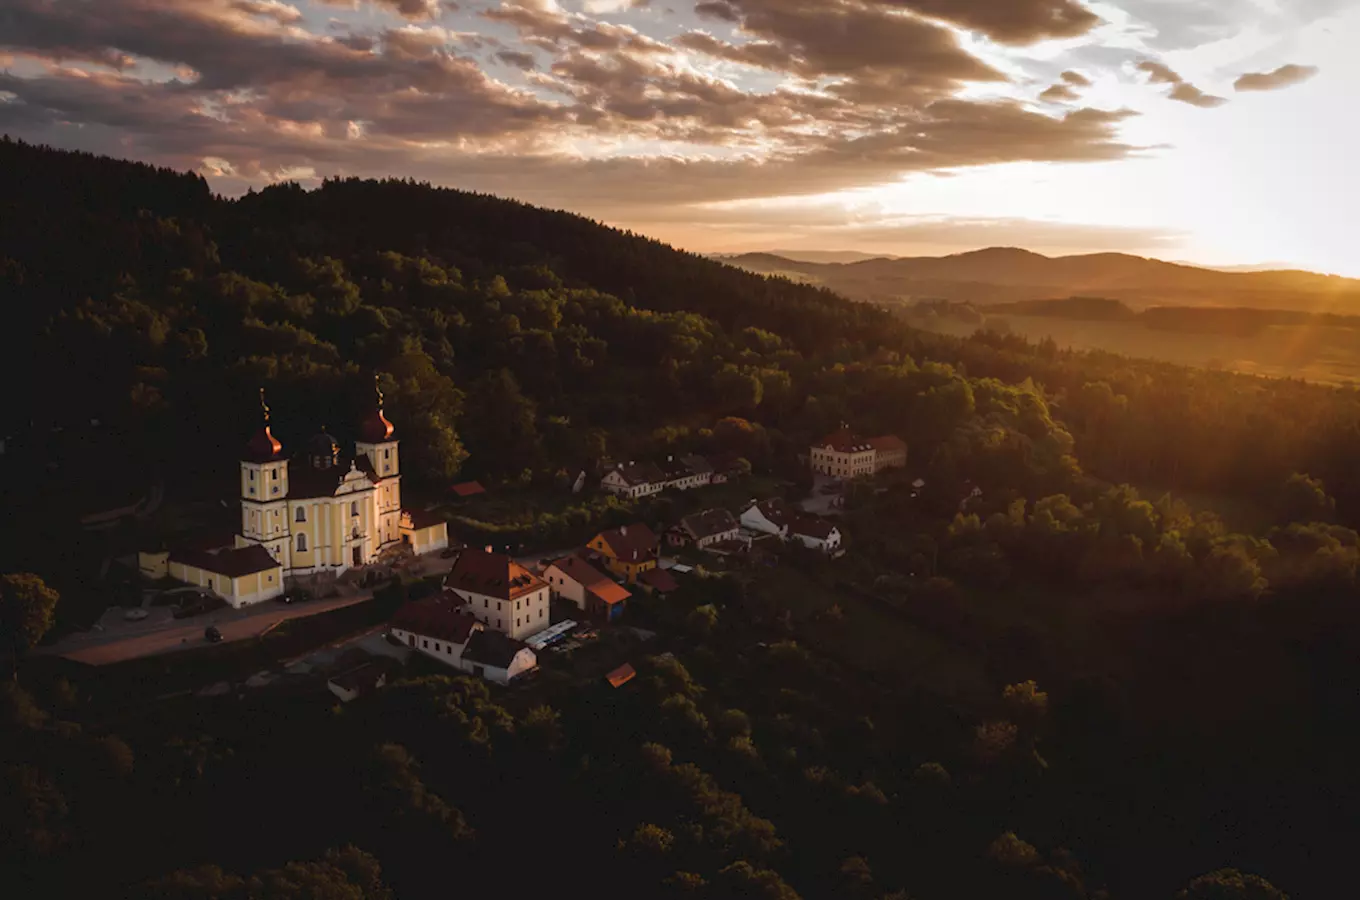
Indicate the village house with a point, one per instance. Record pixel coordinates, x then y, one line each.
658 582
845 454
628 550
816 533
634 480
363 679
443 628
706 530
590 589
775 517
768 517
500 593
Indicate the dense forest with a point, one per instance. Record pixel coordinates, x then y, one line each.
1168 698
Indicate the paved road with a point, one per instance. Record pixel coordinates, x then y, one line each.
150 637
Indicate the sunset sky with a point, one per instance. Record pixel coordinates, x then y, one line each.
1213 131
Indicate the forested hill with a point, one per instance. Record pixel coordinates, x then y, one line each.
1009 274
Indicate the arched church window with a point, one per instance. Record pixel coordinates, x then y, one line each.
302 543
301 514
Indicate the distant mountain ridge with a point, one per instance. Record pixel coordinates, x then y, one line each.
1011 274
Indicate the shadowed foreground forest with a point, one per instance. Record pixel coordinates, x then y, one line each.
1148 618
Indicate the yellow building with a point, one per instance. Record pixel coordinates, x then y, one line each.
323 511
628 550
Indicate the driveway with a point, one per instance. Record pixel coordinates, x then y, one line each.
162 633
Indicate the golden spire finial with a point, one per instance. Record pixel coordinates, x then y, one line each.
264 406
377 387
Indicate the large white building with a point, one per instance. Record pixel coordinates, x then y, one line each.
845 454
500 593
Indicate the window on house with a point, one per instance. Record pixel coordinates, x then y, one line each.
498 622
517 621
387 453
498 606
274 473
302 543
301 514
252 474
436 646
517 604
486 604
354 508
540 613
424 643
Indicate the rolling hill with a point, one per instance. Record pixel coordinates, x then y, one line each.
1008 274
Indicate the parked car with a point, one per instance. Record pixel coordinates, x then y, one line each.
297 595
135 615
212 635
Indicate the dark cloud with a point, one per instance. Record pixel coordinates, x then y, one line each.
870 96
1182 91
1060 93
415 10
1283 77
518 59
1076 79
717 9
283 13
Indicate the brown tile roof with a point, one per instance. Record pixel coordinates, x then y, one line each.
491 574
231 563
697 464
492 648
306 482
659 580
621 676
583 573
360 679
441 616
641 473
467 488
888 443
813 527
844 441
777 511
709 523
631 543
423 518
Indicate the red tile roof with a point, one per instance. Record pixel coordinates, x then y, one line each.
631 543
441 616
583 573
845 441
888 443
492 648
467 488
813 527
622 675
491 574
423 518
659 580
231 563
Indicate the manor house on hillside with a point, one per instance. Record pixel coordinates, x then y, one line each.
316 511
845 454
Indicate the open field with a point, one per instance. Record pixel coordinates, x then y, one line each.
1326 355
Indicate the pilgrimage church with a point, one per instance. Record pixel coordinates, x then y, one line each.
317 511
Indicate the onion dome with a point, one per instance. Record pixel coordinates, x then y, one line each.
323 449
374 428
263 447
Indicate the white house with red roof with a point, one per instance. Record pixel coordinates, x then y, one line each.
444 628
501 593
